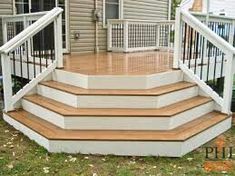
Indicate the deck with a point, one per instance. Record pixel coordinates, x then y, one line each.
141 63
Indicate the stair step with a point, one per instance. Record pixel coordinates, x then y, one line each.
118 81
108 92
167 111
181 133
94 98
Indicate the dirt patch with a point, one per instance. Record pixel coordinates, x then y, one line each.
218 166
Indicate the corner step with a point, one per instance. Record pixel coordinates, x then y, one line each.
108 98
107 92
165 118
66 110
158 143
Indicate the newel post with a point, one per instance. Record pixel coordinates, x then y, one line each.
228 83
126 29
178 39
6 73
58 41
7 82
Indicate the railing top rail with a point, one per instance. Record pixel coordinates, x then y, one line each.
213 16
141 21
31 30
185 2
21 17
207 32
24 15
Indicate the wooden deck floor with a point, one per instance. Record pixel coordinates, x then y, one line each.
119 63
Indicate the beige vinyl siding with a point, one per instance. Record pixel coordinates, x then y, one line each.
5 9
146 9
81 20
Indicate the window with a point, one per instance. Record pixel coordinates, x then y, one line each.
26 6
112 10
22 6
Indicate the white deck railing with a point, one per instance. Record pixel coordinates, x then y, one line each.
204 52
28 56
139 35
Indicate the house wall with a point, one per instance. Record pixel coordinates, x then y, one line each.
81 20
5 9
146 9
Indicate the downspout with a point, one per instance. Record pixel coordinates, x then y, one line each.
96 30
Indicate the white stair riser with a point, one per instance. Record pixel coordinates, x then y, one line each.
124 148
117 123
118 82
109 101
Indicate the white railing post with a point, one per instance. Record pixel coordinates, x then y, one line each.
4 30
158 36
7 82
58 41
126 44
178 39
109 35
232 33
228 83
29 47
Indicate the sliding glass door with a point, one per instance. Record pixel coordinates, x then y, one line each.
27 6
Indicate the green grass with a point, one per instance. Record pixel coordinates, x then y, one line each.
21 156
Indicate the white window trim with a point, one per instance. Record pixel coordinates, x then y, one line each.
120 12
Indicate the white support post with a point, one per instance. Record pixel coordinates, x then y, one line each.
178 39
58 41
228 83
7 82
109 35
126 45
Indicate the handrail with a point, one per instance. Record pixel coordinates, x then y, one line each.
198 46
19 57
205 31
31 31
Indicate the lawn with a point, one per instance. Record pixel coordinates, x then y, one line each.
20 156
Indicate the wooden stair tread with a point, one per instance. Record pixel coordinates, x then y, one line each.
181 133
167 111
149 92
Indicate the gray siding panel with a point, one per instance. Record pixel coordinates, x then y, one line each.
81 20
5 9
146 9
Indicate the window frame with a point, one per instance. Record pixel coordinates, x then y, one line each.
104 12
